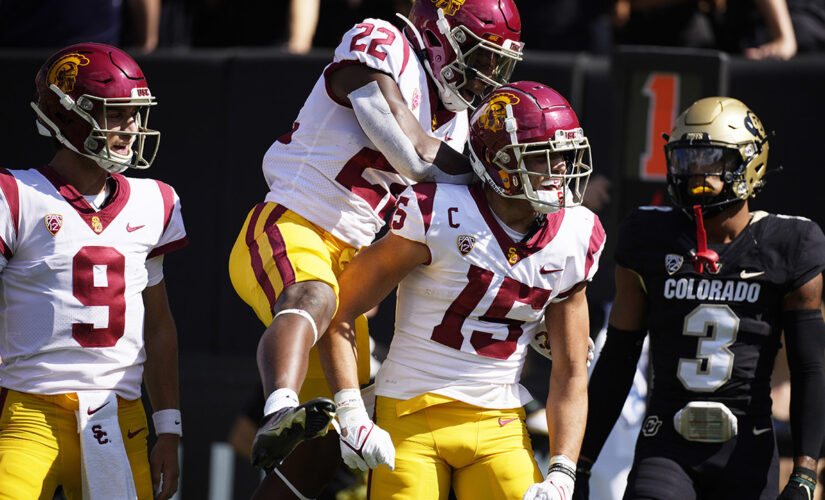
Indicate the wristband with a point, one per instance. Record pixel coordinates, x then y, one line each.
349 407
348 398
804 477
167 422
562 464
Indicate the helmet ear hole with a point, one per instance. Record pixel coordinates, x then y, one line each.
432 40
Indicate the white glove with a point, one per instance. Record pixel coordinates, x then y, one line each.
363 444
559 483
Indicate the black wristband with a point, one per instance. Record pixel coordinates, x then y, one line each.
564 469
804 477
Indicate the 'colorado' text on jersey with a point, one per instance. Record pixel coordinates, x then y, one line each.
714 337
327 157
71 309
465 319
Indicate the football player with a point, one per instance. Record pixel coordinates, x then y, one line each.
714 285
390 107
481 271
84 316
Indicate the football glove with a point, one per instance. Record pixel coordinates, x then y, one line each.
801 485
559 482
363 444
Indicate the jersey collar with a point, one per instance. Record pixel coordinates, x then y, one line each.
515 251
98 221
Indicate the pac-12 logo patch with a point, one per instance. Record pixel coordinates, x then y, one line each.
465 243
673 262
53 223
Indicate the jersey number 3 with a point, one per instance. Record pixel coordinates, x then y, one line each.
717 326
98 279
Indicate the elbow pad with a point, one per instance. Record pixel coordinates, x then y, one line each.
805 339
609 385
380 126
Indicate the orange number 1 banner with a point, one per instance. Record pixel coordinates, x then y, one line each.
662 91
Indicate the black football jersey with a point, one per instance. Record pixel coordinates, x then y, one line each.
714 337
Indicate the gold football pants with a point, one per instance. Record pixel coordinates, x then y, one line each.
275 248
40 445
439 441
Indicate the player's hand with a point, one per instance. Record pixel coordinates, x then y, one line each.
163 463
559 482
549 489
363 444
801 485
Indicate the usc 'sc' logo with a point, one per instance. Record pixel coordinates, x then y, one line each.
450 7
493 115
63 72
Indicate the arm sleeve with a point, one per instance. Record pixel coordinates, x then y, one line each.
609 385
805 339
378 123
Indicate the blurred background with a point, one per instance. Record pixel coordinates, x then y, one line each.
230 77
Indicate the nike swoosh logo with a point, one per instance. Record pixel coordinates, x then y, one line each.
92 412
547 270
757 432
133 228
745 274
504 421
131 434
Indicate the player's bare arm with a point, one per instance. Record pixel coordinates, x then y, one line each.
568 328
161 378
370 277
429 149
628 317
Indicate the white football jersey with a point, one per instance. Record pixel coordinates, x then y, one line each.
464 320
326 169
71 309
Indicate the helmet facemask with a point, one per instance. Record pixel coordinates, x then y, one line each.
144 143
474 58
735 165
716 137
557 190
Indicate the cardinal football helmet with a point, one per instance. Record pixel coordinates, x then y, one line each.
526 119
465 40
74 89
716 136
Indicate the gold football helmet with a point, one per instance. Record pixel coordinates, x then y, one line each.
716 136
